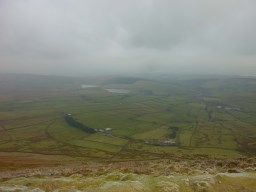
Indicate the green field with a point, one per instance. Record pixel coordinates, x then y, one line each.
215 117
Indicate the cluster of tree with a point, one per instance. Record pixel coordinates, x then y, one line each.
71 121
172 135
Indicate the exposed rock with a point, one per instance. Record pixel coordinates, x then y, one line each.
77 175
129 186
186 181
166 186
234 171
19 188
232 164
203 185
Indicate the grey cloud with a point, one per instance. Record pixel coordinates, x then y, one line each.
114 36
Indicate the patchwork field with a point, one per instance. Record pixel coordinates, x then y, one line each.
134 118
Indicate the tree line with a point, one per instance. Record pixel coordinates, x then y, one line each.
72 122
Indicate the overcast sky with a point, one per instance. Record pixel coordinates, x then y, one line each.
116 36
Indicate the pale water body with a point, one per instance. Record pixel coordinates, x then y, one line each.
88 86
122 91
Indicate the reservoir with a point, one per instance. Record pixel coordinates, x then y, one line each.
88 86
122 91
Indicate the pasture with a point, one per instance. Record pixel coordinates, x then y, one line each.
213 117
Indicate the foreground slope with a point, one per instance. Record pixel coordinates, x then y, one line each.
177 175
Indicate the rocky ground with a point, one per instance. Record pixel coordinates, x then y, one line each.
175 175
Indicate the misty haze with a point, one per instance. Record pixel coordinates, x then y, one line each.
128 95
87 37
